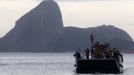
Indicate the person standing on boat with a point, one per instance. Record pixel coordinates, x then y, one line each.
98 50
77 55
87 53
118 56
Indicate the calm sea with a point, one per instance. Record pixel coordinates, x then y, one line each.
48 64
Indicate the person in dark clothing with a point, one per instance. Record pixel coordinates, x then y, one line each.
87 53
77 56
118 56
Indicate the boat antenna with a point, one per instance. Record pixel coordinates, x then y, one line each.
92 38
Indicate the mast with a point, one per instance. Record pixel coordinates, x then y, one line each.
92 38
92 43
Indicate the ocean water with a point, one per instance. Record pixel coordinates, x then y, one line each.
49 64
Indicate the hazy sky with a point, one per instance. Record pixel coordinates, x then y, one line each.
80 13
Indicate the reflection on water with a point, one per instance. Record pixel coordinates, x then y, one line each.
48 64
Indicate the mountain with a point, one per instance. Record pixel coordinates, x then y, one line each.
36 29
42 30
80 38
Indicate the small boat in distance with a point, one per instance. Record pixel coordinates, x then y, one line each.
100 58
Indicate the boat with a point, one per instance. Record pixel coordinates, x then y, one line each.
109 60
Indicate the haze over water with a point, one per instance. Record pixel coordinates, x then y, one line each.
82 13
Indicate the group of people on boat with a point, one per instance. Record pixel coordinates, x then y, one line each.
98 53
98 50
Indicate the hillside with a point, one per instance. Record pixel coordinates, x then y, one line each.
42 30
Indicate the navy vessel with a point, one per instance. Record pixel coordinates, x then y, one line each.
100 58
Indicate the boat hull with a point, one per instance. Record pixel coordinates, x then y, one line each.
98 66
